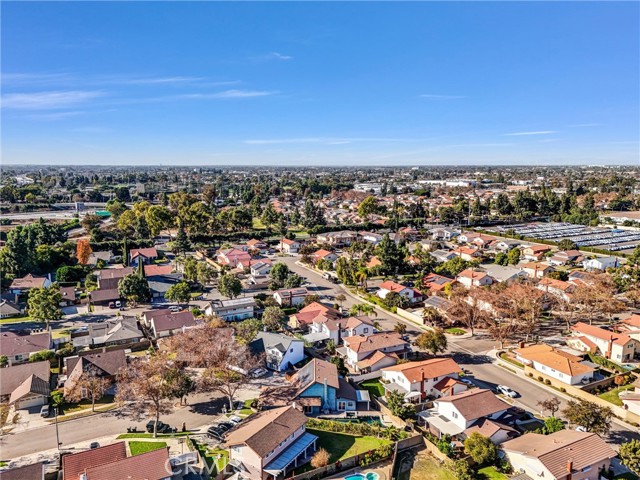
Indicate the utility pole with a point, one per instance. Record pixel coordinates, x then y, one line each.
55 410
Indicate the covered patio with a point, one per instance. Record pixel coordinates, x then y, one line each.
410 396
298 453
438 423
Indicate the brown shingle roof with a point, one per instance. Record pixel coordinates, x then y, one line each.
12 343
561 361
32 384
362 344
268 429
75 464
476 403
35 471
12 377
601 333
28 281
556 450
173 321
316 371
152 465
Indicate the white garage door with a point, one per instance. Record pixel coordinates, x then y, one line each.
30 402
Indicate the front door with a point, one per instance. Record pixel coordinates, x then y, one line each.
342 405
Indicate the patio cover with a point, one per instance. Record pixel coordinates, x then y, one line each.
440 423
282 461
315 337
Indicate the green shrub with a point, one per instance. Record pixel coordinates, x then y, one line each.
540 379
547 382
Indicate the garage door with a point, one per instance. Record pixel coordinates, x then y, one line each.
30 402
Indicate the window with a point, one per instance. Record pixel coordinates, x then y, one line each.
454 414
308 409
365 330
291 351
342 405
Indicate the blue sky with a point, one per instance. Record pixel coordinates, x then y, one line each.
320 83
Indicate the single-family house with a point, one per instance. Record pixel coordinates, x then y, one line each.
104 364
166 325
557 288
105 257
563 455
303 319
22 285
147 315
118 331
506 245
338 239
374 352
280 351
9 309
436 377
260 268
371 237
411 294
289 246
108 278
159 284
323 254
631 398
503 273
259 245
468 254
33 471
231 257
601 263
111 462
614 346
443 233
270 444
472 278
436 283
630 326
290 297
232 310
565 257
453 414
373 262
536 269
18 347
323 328
68 296
442 256
104 296
145 255
535 252
558 364
317 388
25 385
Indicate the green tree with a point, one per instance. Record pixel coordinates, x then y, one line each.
246 330
368 207
593 417
278 274
397 405
206 273
134 289
434 341
480 448
391 255
514 256
181 244
4 361
272 318
552 425
229 286
158 218
293 281
44 304
190 269
462 470
567 244
630 455
179 293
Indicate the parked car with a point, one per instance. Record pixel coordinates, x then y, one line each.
175 308
467 381
258 372
161 428
580 428
235 419
94 445
215 432
44 411
503 389
224 426
112 304
118 304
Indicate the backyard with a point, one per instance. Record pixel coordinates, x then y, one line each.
490 473
341 446
143 447
612 395
425 467
374 387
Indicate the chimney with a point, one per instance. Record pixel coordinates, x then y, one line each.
293 404
422 394
569 468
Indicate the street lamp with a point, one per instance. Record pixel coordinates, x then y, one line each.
55 411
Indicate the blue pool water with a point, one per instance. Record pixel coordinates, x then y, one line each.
360 476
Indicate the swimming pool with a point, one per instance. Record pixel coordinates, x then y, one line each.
362 476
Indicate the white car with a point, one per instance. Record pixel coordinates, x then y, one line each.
467 381
175 308
258 372
580 428
503 389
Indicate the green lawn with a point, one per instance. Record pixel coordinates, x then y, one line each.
426 467
150 435
257 224
143 447
16 320
341 446
455 331
4 464
374 387
68 408
490 473
612 395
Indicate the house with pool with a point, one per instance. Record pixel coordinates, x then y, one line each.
271 444
316 388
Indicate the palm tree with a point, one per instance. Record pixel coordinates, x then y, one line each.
340 298
361 277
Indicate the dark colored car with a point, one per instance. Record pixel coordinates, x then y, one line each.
161 428
225 426
215 432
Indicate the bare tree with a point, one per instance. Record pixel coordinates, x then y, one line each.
501 330
469 309
149 385
552 404
89 384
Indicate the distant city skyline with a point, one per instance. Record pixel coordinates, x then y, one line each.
321 84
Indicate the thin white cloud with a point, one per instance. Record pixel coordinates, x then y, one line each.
431 96
538 132
91 130
228 94
277 56
151 80
324 140
48 100
52 117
